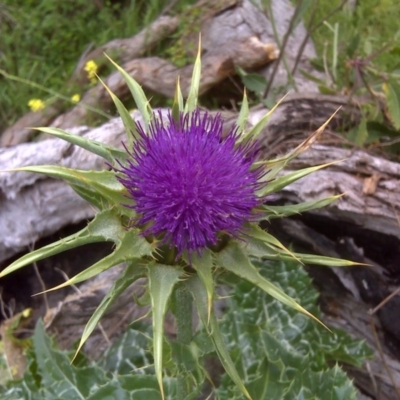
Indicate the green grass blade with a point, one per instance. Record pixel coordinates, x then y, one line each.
137 93
191 102
199 292
235 260
392 92
162 279
106 226
107 152
130 274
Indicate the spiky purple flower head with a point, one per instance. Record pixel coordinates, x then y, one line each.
190 182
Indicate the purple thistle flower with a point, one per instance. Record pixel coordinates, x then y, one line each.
189 182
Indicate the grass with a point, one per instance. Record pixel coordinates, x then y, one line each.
42 41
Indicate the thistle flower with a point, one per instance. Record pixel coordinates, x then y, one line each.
189 182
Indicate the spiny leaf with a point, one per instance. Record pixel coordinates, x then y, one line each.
234 259
203 265
271 241
191 102
274 166
282 352
243 114
177 106
283 181
106 226
55 370
104 182
103 150
127 120
132 247
91 196
260 125
257 248
137 93
272 212
162 279
130 274
200 296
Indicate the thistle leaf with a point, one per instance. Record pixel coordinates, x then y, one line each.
162 279
235 260
107 152
257 248
243 114
91 196
132 247
127 120
276 165
200 296
130 274
55 371
272 212
137 93
271 241
279 183
203 265
106 226
260 125
191 102
103 182
283 354
177 106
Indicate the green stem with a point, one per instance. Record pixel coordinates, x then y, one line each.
183 315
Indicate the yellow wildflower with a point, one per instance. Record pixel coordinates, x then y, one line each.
91 69
75 98
36 104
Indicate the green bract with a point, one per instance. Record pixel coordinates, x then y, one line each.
191 276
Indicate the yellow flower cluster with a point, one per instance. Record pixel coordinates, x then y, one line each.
91 68
36 105
75 98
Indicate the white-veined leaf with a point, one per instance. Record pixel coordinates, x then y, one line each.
210 322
